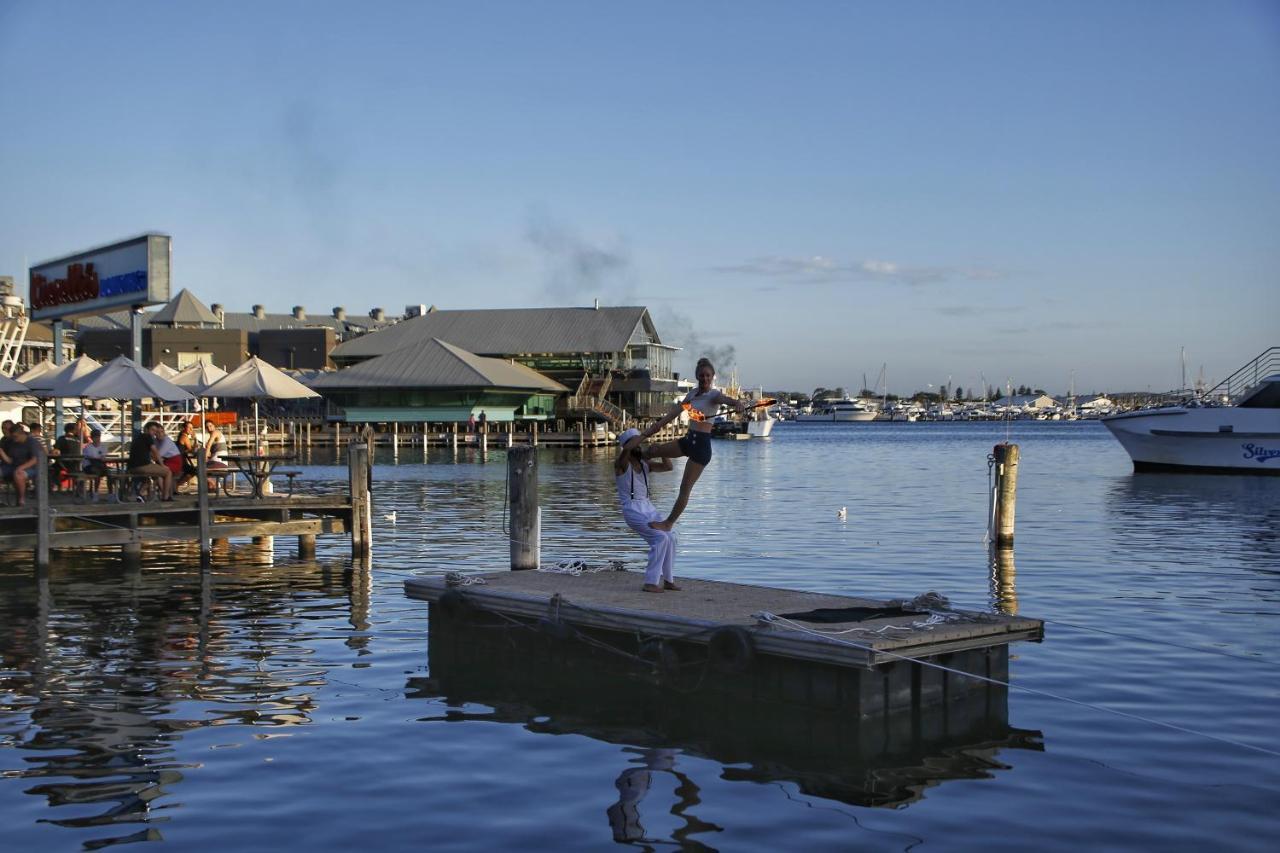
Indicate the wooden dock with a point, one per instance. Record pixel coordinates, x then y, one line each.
872 658
50 521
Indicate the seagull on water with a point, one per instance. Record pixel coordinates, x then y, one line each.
843 513
391 517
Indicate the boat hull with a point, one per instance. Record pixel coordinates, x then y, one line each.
761 428
1221 440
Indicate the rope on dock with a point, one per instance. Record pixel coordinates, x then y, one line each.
582 567
770 618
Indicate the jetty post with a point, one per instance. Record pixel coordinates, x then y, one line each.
533 432
361 508
1006 492
202 502
44 517
522 492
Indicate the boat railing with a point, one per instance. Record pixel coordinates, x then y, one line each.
1266 364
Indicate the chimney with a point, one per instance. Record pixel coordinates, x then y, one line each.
339 313
597 301
299 313
259 312
414 311
378 315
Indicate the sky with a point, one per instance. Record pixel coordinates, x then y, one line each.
810 192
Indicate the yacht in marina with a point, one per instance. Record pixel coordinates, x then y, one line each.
839 411
1233 429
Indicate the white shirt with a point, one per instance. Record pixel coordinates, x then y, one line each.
166 448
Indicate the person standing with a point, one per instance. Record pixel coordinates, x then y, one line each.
481 421
631 472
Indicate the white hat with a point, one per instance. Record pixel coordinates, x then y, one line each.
627 435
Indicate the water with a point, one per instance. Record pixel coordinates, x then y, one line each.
273 703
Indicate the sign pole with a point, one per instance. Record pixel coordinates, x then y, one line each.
57 359
135 332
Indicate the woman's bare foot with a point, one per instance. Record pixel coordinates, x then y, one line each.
661 525
671 585
651 587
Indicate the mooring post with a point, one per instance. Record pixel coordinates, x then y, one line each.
1006 491
533 433
484 440
307 546
44 518
455 435
522 491
511 434
395 436
582 433
358 474
202 500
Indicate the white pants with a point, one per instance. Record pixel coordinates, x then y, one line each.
662 543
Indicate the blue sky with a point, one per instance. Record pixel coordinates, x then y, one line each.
1016 189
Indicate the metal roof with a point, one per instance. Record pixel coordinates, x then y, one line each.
437 364
509 331
184 310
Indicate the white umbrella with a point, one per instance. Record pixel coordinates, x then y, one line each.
121 379
164 371
10 386
40 368
256 380
197 377
50 382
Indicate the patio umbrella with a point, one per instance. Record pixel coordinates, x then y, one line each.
256 380
40 368
10 386
121 379
48 383
198 377
164 371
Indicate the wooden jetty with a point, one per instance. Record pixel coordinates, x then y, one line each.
862 656
51 521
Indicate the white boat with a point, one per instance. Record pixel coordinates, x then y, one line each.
761 424
1239 436
839 411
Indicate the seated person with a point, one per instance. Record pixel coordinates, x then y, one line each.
94 458
144 458
171 457
65 456
18 459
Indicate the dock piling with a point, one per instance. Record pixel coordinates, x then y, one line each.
361 522
1006 492
522 491
44 517
202 501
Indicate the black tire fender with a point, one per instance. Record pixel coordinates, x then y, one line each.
731 649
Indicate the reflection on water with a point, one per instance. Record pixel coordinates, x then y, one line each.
105 666
1004 593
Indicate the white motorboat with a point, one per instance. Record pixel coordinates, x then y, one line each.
760 424
1238 436
839 411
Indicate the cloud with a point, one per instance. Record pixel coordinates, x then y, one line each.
577 268
978 310
819 269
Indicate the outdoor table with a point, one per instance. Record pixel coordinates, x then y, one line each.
257 469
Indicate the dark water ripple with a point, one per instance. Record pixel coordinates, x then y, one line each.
272 703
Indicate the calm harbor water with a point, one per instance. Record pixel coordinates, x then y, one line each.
273 703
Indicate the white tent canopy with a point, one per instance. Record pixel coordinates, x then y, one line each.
36 370
122 379
50 383
164 371
256 380
10 386
198 377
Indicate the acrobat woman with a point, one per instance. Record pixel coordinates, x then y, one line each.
703 403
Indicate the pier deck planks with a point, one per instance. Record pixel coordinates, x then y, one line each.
613 600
